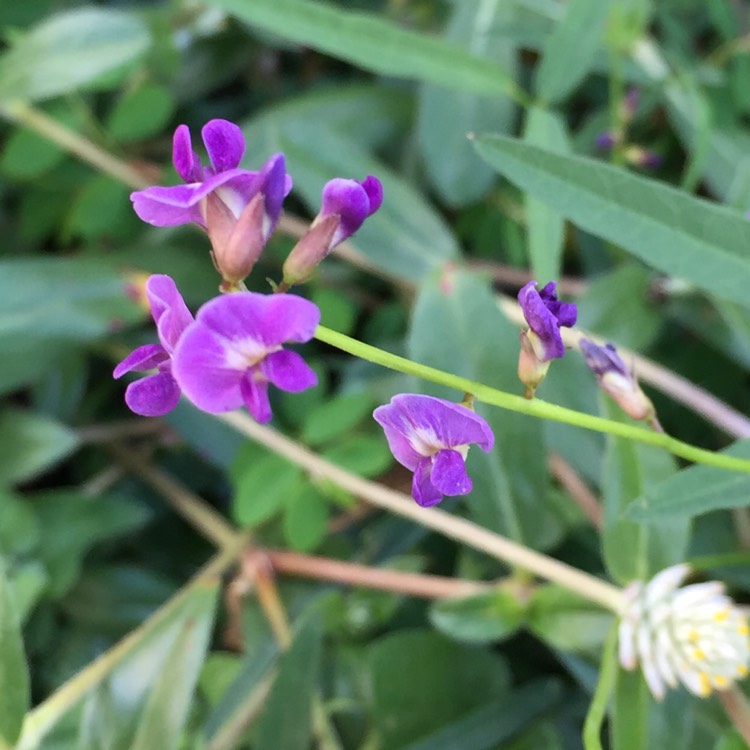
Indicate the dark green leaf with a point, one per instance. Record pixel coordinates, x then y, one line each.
141 112
337 416
305 518
262 489
366 455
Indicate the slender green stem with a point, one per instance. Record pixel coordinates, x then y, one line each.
534 407
592 727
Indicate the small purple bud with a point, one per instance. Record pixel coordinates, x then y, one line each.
606 140
345 206
616 380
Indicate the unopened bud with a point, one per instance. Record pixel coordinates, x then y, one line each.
532 369
616 380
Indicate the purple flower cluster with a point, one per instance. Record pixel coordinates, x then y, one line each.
225 357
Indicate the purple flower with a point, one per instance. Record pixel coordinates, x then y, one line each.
159 393
238 208
545 314
233 350
345 206
431 437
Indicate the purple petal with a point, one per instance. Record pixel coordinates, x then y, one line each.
255 396
374 189
429 421
541 321
603 359
200 366
565 312
422 488
185 160
348 200
399 444
143 358
225 144
288 371
154 395
449 473
267 319
274 179
168 308
168 206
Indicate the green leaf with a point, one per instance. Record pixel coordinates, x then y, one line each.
667 229
445 682
567 621
70 50
141 112
570 50
75 301
337 416
631 550
497 721
262 488
372 43
305 518
166 709
286 721
337 310
15 697
31 444
695 490
456 326
545 226
445 117
479 618
366 455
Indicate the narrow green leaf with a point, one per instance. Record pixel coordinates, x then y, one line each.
480 618
631 550
286 721
445 117
545 227
306 518
667 229
15 695
70 50
166 709
31 444
569 52
336 416
695 490
373 43
457 326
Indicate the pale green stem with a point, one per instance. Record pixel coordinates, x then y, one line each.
592 727
459 529
23 114
532 407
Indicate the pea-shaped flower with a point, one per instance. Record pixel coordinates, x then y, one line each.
692 634
431 437
157 394
234 349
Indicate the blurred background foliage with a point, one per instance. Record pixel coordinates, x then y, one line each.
91 553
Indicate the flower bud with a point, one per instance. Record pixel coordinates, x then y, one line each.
616 380
531 368
345 206
694 635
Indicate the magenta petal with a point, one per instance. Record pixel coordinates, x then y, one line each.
255 396
185 160
169 206
374 189
225 144
269 320
434 421
143 358
422 488
201 368
274 187
288 371
168 309
348 200
400 445
154 395
449 473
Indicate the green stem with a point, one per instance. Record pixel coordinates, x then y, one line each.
533 408
592 727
